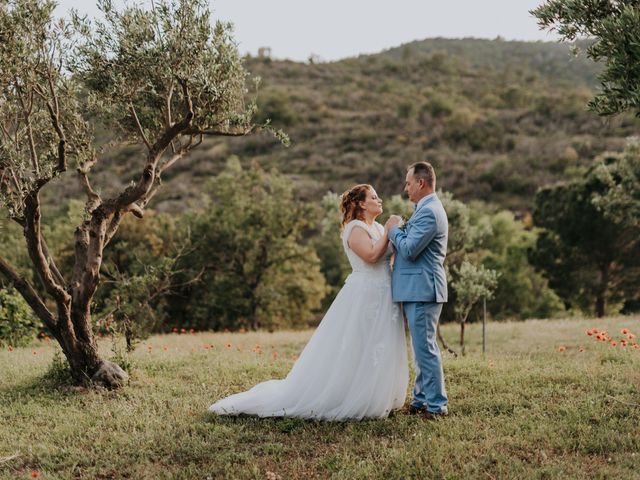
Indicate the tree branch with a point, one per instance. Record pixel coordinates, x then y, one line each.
26 112
168 119
220 133
28 293
33 236
179 127
93 199
134 114
444 344
52 264
55 121
124 202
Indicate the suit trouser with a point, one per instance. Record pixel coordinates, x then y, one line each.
429 390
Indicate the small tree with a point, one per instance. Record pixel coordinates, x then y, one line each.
163 78
615 27
472 283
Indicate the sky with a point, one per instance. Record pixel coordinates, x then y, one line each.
336 29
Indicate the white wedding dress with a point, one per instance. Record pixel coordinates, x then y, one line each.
355 364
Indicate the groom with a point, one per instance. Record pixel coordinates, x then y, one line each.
420 283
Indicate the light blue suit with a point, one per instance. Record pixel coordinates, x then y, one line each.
419 281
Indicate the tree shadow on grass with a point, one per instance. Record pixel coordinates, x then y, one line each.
56 382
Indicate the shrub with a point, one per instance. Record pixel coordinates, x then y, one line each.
18 325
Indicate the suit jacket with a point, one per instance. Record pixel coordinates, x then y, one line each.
421 246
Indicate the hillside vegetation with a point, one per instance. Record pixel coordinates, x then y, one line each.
498 119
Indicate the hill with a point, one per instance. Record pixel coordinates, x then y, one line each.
498 119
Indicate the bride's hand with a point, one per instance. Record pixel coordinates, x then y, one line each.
392 222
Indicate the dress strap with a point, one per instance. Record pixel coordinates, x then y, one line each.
348 228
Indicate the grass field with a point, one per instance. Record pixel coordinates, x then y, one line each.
535 406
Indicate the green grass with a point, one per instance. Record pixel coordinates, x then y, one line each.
524 410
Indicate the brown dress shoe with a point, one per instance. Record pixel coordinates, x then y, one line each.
435 415
413 410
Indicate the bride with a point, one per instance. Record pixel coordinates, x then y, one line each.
355 364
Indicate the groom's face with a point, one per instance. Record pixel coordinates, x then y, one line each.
413 186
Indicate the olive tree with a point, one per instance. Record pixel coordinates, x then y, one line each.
614 27
162 77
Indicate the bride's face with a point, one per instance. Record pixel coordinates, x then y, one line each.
372 205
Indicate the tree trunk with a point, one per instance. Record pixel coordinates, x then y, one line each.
600 305
85 361
445 345
81 353
463 323
601 301
81 350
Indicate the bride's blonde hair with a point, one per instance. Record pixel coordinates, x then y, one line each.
350 203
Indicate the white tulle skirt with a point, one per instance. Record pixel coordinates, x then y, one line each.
354 366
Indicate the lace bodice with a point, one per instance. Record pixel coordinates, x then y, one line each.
375 231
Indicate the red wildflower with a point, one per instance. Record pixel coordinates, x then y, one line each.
613 343
10 348
183 330
562 348
228 345
174 329
624 331
631 336
35 473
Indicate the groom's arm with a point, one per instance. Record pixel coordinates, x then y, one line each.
423 230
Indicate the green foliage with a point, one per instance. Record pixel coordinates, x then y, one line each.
139 268
40 111
615 27
619 194
275 106
334 264
405 109
471 284
59 372
521 291
344 118
136 58
588 251
438 106
258 272
18 325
